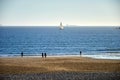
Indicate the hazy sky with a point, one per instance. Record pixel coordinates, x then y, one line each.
52 12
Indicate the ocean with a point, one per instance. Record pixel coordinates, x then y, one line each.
97 42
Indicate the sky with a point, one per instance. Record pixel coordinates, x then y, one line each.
52 12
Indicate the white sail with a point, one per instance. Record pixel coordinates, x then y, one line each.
61 26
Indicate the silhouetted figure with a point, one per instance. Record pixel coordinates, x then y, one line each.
42 55
45 55
21 54
80 53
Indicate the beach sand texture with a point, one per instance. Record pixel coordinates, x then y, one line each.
56 64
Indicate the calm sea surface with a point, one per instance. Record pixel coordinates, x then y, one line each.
70 41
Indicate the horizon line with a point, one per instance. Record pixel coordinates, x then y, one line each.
58 26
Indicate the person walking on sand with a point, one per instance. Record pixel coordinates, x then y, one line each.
45 55
42 55
21 54
80 53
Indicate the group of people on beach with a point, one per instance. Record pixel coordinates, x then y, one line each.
44 54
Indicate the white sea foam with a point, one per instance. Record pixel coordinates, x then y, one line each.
100 56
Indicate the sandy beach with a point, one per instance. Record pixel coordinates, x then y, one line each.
20 65
58 68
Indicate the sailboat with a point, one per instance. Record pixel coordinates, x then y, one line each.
61 26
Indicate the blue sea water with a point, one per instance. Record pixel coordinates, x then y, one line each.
51 40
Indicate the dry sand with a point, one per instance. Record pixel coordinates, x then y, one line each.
56 64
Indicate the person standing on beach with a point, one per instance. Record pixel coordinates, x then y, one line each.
80 53
42 55
21 54
45 55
